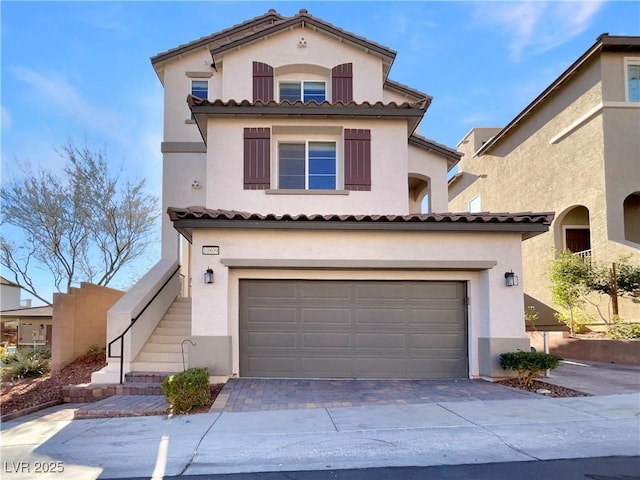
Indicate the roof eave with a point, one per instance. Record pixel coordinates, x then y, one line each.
603 43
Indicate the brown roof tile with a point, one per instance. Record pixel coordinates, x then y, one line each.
528 224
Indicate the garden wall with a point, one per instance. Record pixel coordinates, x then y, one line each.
79 321
593 349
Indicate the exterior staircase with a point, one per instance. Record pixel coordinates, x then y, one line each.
163 351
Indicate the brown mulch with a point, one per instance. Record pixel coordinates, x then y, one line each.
555 390
30 392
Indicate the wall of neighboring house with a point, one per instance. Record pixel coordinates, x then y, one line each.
80 319
492 328
9 296
563 155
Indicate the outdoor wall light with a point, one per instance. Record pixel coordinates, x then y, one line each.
208 275
510 279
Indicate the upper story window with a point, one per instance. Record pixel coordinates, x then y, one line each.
307 165
303 90
200 89
632 75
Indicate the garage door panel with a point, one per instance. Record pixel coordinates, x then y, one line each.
325 316
438 367
323 291
436 291
375 366
436 341
281 366
437 317
347 329
326 340
271 315
378 291
380 340
271 290
271 339
381 316
335 367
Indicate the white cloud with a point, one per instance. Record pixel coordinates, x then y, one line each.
536 27
66 99
5 118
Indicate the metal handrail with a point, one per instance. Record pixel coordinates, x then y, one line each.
134 320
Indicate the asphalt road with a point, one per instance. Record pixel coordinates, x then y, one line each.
602 468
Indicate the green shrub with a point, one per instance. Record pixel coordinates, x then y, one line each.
528 364
3 354
27 362
578 324
187 391
95 350
624 331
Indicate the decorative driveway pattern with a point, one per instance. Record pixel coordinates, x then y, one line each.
258 394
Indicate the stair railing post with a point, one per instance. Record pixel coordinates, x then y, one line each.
121 359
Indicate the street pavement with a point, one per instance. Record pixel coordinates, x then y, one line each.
50 444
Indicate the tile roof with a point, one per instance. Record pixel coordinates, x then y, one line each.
222 36
304 18
452 155
527 223
202 108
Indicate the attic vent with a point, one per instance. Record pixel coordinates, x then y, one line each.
302 43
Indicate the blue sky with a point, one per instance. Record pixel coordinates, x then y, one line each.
81 70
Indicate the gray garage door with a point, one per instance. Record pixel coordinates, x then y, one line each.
353 329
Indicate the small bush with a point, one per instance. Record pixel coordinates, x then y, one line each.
95 351
187 391
27 362
3 354
528 364
624 331
580 321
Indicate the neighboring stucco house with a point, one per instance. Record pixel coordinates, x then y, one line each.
295 173
574 150
20 323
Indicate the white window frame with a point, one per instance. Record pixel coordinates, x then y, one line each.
306 143
627 62
472 203
301 82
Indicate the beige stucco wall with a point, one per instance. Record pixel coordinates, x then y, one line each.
573 151
494 310
389 191
283 48
80 321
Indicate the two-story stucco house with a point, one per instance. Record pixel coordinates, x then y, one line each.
574 150
295 175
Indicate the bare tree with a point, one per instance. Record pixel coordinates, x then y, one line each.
81 224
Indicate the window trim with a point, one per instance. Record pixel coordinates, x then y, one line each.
295 139
627 62
301 82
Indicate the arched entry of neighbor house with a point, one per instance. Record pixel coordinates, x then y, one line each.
631 208
572 231
419 190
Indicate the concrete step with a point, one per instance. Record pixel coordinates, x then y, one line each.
160 357
174 347
164 323
173 332
140 377
177 317
166 339
167 367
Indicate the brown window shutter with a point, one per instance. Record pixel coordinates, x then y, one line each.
357 159
262 82
257 158
342 83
